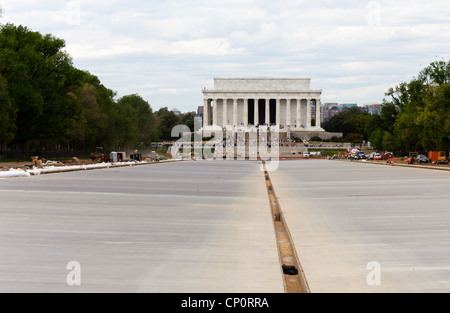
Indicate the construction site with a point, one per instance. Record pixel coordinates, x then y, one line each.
242 148
323 221
311 226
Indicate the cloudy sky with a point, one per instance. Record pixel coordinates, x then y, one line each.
167 51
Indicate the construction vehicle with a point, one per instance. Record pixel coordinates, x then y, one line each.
438 157
99 156
412 157
421 159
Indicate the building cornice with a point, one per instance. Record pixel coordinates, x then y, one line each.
262 94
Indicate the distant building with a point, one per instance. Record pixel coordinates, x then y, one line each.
335 110
176 111
374 108
348 105
200 111
330 110
284 102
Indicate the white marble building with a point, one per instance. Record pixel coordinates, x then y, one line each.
285 103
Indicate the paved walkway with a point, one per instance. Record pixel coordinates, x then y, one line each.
178 227
344 215
206 227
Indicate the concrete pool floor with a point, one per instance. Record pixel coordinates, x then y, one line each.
206 227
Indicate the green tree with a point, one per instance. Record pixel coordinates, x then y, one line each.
418 111
376 138
45 102
188 119
434 119
389 113
354 137
372 124
7 115
95 125
349 121
437 73
40 76
407 132
92 123
389 142
135 121
166 121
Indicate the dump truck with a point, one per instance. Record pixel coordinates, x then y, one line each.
438 157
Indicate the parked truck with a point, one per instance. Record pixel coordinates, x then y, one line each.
438 157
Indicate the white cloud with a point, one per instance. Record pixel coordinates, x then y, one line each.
169 50
174 91
207 46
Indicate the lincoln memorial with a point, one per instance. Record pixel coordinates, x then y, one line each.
284 103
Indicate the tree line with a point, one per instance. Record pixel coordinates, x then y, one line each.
47 103
415 116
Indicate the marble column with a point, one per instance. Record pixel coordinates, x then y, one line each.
278 113
205 112
245 112
318 124
235 111
225 112
267 111
308 113
215 112
299 117
288 112
256 122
